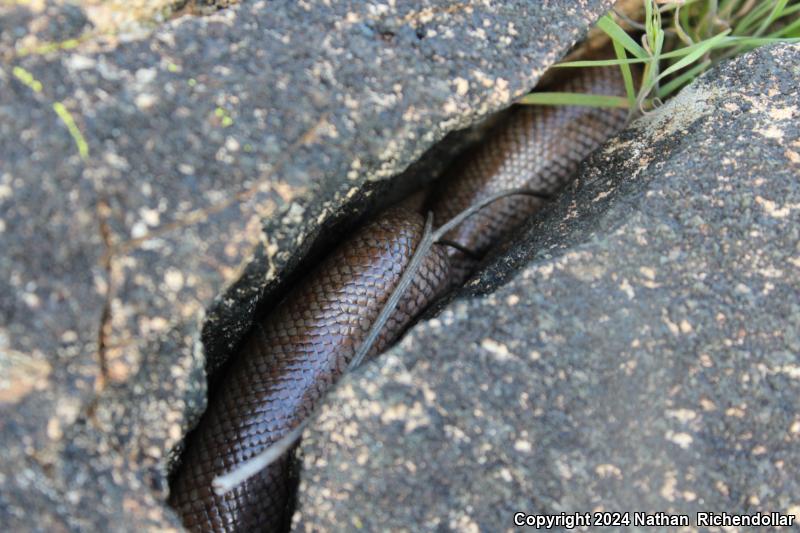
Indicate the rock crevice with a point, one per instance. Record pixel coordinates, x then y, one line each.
216 148
633 348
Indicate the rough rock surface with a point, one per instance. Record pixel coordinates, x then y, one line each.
142 178
638 350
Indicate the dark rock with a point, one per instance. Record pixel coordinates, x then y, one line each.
638 350
202 162
13 25
65 21
24 31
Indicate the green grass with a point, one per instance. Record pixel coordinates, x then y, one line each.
66 117
676 42
60 109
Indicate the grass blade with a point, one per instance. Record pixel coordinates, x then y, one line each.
751 18
66 117
602 62
585 100
613 30
627 75
682 39
679 81
756 41
788 29
696 54
774 15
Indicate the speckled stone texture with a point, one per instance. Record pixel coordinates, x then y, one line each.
637 349
216 147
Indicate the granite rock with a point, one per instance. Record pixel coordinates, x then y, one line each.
155 186
634 348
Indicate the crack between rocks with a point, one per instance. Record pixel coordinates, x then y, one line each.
103 210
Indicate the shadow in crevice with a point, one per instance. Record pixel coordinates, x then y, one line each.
308 231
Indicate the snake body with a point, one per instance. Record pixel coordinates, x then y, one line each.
300 349
535 147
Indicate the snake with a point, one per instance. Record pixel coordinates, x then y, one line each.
298 351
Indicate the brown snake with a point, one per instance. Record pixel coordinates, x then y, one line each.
294 355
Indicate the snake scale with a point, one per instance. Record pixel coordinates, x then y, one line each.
299 350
